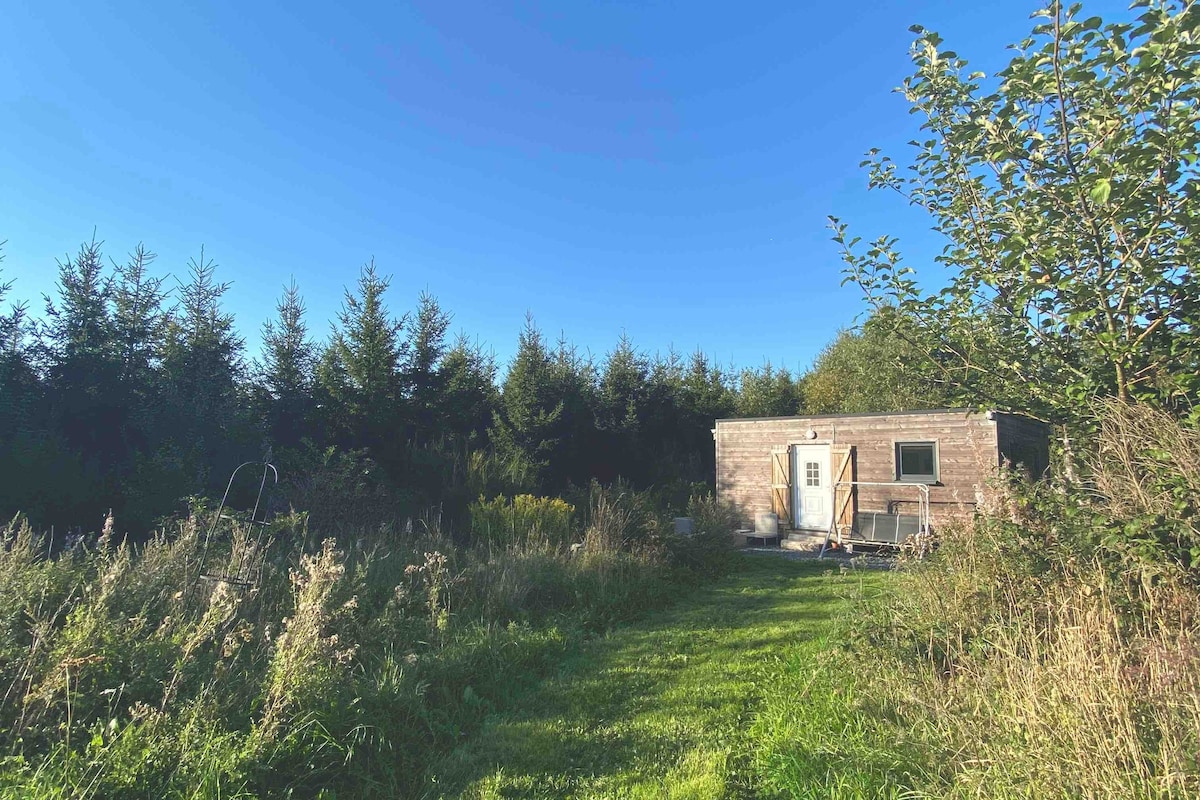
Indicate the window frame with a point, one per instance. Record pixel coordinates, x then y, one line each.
813 474
927 479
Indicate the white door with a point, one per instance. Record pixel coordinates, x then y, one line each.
812 486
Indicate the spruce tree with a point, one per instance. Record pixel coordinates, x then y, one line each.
620 407
285 375
36 471
573 384
662 421
332 399
202 366
470 395
705 397
422 376
139 324
525 429
81 357
368 351
767 392
20 387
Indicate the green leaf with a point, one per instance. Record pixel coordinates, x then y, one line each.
1100 192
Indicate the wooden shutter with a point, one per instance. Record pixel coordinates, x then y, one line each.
842 457
781 484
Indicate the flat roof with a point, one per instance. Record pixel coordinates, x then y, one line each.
862 414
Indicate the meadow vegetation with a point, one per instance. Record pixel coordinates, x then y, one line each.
344 670
1051 648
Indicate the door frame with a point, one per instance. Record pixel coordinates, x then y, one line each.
793 460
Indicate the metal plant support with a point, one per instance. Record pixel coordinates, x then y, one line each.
923 515
240 569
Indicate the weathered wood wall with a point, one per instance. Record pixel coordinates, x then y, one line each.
967 457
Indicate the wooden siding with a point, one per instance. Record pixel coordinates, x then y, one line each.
967 457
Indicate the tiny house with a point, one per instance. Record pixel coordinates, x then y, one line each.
871 477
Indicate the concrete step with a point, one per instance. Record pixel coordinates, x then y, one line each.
802 541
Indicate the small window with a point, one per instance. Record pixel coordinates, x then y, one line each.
812 473
916 462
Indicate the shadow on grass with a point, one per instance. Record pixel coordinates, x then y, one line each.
657 709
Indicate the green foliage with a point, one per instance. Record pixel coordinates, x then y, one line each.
81 362
1065 189
348 668
470 380
708 549
873 369
1024 657
422 374
525 518
202 358
122 404
769 392
367 351
286 374
341 490
530 410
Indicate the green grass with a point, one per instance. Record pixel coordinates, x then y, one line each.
690 702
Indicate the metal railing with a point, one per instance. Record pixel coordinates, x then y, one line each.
923 515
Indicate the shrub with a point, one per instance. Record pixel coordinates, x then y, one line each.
503 521
1146 468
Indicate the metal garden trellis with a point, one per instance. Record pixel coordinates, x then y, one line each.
240 570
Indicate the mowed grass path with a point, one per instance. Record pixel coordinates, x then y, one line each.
664 707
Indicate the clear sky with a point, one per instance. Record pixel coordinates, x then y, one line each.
659 168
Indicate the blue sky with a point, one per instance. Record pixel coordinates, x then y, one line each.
663 169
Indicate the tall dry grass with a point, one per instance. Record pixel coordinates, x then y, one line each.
1051 648
1015 682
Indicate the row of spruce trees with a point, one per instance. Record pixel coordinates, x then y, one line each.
128 394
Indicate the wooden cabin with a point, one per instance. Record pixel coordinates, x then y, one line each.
879 477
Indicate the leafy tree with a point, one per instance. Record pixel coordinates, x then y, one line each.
286 372
1065 189
875 368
